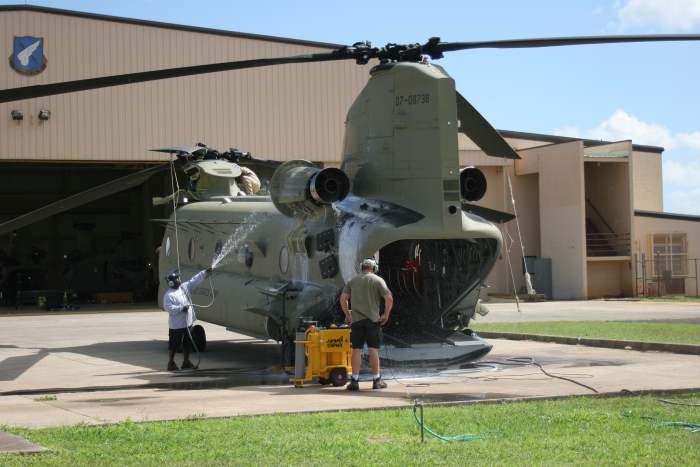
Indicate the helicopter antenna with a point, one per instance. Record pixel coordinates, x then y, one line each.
173 181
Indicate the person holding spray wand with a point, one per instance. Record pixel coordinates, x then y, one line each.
178 304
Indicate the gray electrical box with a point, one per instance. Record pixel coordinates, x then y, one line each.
542 277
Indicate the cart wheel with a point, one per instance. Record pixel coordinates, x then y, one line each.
324 381
339 377
199 337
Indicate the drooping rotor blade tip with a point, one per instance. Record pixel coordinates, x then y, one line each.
480 131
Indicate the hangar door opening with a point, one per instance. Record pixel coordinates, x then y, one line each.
102 247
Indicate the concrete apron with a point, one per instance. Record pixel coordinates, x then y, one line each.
605 370
106 368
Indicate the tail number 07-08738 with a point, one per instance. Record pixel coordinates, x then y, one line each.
413 99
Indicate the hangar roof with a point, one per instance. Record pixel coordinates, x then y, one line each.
565 139
156 24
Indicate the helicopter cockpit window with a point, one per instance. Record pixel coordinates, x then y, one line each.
191 249
284 260
167 247
245 255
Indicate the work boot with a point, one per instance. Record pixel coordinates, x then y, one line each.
379 384
187 365
172 366
354 385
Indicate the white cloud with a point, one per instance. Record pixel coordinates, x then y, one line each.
681 175
682 202
665 14
692 140
622 126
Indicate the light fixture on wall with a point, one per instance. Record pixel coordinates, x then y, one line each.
17 115
44 114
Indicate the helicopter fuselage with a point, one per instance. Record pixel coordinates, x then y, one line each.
288 256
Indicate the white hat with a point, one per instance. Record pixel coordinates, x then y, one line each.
369 263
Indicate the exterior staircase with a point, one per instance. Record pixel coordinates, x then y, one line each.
597 243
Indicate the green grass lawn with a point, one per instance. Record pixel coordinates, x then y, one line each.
648 332
582 431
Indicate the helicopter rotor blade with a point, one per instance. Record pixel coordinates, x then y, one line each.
479 130
564 41
491 215
41 90
250 160
92 194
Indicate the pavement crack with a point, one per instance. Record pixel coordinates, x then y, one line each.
69 410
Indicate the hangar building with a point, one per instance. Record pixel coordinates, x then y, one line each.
92 137
587 210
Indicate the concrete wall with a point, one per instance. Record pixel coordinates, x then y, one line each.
279 112
648 183
606 278
561 204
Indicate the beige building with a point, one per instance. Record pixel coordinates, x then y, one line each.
586 209
593 210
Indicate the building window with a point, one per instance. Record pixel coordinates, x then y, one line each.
669 253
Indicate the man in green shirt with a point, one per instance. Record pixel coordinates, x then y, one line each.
365 290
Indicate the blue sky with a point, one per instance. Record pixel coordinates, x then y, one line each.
645 92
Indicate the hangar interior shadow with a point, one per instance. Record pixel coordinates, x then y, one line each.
105 246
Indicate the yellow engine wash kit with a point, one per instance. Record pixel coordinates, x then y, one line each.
324 354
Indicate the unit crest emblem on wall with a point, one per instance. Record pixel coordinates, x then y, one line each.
28 56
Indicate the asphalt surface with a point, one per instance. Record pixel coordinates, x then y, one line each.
106 363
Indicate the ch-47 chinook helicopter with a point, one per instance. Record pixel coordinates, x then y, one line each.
399 192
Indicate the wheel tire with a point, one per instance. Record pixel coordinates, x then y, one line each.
288 353
324 381
339 377
199 337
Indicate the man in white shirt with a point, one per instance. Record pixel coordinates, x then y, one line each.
178 303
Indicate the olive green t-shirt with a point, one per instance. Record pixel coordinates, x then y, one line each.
365 290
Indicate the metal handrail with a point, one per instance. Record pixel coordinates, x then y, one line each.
601 217
604 244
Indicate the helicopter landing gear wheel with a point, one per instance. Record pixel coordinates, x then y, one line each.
288 352
199 337
339 377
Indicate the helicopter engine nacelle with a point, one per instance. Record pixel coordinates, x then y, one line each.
472 184
299 186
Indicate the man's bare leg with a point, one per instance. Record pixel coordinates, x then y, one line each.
356 361
373 360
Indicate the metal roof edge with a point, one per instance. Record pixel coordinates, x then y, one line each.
156 24
667 215
565 139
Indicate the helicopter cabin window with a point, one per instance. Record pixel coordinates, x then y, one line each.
284 260
191 249
669 252
245 255
167 247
